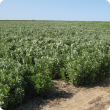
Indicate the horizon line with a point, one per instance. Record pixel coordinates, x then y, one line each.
53 20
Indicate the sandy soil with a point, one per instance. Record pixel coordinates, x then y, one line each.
69 97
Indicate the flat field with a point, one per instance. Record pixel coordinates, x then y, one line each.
74 51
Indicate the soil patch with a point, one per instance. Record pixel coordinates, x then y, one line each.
69 97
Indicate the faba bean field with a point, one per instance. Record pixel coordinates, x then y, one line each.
33 53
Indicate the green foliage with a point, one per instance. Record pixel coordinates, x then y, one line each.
88 70
4 92
36 51
17 79
12 83
40 84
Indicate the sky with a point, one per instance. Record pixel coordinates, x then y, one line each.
64 10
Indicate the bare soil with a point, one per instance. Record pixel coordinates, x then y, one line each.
69 97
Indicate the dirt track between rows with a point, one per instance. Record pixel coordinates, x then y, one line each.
69 97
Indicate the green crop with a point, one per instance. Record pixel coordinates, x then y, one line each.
34 52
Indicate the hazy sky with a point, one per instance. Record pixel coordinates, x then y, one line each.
74 10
